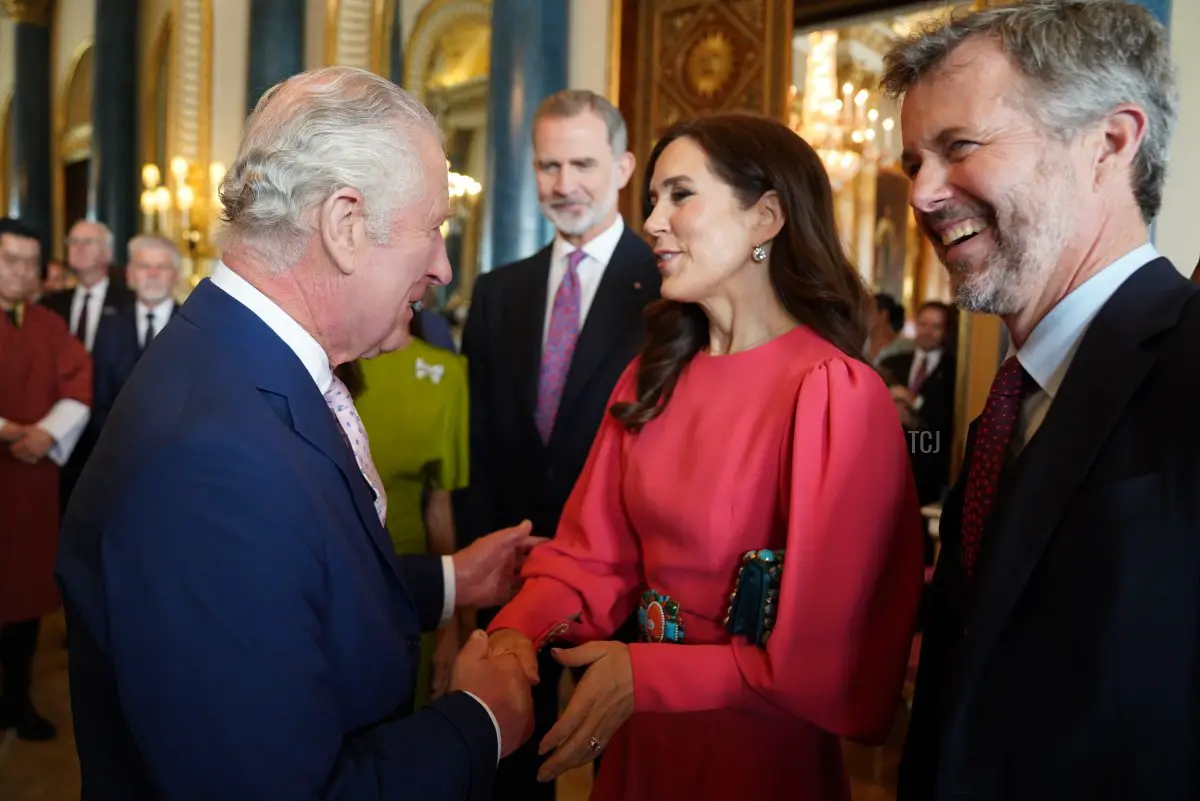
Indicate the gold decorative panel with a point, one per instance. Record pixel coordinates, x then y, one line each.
705 57
29 12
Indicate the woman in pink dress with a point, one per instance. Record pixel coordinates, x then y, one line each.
748 424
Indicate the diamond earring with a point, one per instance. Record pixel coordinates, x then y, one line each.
759 253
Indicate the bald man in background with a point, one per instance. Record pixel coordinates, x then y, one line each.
96 294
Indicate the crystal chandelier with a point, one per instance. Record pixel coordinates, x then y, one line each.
841 129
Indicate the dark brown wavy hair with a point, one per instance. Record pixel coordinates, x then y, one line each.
809 270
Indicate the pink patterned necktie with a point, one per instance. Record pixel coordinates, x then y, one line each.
350 424
989 450
559 347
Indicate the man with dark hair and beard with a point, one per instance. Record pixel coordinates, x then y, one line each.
1061 652
546 340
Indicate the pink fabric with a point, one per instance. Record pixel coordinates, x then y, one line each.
342 405
559 346
793 445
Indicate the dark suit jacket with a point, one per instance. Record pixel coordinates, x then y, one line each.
931 464
118 297
1075 671
238 624
514 476
114 355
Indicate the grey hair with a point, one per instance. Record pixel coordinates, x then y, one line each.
109 240
311 135
573 102
154 242
1082 59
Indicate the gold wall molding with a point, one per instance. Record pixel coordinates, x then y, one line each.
432 23
189 125
71 141
29 12
161 50
358 33
5 151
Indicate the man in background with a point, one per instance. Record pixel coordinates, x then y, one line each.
546 340
97 294
885 323
45 392
924 379
122 338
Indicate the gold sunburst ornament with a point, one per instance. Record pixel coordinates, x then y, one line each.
710 64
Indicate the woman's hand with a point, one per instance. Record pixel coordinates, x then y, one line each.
602 701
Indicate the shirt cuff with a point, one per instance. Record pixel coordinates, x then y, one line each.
449 591
495 723
65 422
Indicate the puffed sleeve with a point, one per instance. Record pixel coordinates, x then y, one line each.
851 581
583 583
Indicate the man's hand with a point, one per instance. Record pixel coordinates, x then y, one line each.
487 571
448 643
506 642
33 446
11 432
499 682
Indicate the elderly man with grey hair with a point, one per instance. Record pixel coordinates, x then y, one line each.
1061 652
238 622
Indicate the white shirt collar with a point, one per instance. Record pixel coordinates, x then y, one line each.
310 352
1051 346
600 247
97 290
161 312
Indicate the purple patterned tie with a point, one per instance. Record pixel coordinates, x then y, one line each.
559 347
350 424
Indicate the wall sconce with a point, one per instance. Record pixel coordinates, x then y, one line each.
171 210
464 191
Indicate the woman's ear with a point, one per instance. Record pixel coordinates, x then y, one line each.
768 217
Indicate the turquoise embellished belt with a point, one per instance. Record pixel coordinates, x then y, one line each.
659 618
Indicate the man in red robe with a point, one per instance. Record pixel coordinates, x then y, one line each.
45 395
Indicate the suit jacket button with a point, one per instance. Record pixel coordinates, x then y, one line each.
413 642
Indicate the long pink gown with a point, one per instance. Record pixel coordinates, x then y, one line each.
790 444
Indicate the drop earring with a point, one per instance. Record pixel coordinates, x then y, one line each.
759 253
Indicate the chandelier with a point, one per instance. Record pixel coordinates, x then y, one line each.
841 128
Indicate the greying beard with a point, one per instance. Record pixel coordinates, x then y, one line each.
597 212
1029 243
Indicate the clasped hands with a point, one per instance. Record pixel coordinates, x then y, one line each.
602 701
29 444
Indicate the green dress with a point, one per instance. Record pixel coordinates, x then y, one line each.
415 410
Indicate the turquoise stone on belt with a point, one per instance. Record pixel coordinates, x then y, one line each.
659 618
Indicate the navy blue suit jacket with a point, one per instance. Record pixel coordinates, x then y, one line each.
115 352
238 623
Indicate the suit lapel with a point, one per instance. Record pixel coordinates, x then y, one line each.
275 368
1105 373
613 308
528 328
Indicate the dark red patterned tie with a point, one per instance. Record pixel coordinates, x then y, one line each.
989 450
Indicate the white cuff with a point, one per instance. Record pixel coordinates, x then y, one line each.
449 590
499 747
65 422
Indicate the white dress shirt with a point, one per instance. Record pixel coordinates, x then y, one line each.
64 423
1051 346
315 360
162 316
597 254
95 303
